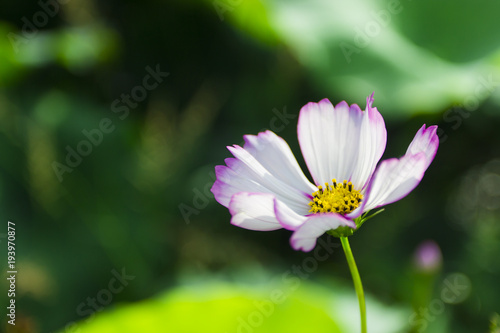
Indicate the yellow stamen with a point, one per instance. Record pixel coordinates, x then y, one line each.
339 198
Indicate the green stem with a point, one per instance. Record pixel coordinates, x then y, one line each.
357 281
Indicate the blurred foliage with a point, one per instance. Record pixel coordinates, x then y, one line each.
383 46
139 200
227 308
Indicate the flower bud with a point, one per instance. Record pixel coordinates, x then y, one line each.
428 257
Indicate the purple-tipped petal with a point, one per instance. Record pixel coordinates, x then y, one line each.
427 141
370 99
287 217
257 168
372 142
229 183
275 155
254 211
304 238
394 179
329 139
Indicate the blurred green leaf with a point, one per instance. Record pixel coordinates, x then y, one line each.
352 49
229 308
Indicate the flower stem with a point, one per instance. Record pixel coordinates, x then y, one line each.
357 281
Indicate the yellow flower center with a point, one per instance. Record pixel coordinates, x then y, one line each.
339 198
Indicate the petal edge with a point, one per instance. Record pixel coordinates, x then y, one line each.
304 238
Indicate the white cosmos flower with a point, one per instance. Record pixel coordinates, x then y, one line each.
265 189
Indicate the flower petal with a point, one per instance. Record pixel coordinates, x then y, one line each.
254 211
304 238
229 183
287 217
246 173
427 141
372 142
394 179
275 155
329 139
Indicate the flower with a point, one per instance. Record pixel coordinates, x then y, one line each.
428 257
264 188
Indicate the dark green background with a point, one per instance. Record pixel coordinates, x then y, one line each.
233 65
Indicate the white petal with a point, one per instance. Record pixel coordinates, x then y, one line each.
394 179
372 142
246 173
329 139
427 141
254 211
287 217
275 155
304 238
229 183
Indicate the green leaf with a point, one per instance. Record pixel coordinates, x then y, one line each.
293 305
352 49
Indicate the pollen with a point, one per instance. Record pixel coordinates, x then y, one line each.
339 198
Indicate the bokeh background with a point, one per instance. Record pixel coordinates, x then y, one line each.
128 238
